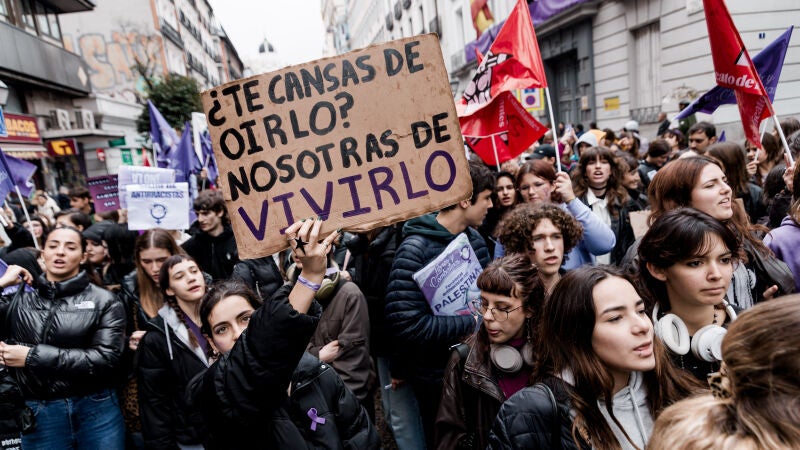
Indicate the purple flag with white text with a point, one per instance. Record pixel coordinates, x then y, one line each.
768 63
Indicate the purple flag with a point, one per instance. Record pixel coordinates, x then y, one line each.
540 11
183 159
768 62
209 159
22 171
6 177
19 173
164 138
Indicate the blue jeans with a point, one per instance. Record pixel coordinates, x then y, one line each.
401 411
90 422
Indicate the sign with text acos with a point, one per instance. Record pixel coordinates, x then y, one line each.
363 139
158 205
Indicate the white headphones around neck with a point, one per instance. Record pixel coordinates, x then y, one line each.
508 359
706 344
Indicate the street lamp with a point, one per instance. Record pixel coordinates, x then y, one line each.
3 93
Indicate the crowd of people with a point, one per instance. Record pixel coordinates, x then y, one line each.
585 329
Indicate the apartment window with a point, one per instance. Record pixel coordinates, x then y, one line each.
3 9
27 14
41 19
55 27
646 82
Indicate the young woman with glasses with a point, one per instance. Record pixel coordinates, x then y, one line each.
495 362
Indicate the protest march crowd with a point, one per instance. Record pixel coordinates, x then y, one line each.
581 333
601 290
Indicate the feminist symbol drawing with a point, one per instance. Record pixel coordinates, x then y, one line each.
158 212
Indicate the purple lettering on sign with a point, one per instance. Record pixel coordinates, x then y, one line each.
450 164
262 223
325 210
384 185
357 209
287 210
410 190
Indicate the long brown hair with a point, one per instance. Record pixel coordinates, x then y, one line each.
150 296
565 344
672 187
616 194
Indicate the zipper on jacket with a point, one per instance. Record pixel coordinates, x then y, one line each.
50 314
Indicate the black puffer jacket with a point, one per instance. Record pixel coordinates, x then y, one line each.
528 420
316 385
422 340
261 275
166 363
240 391
76 331
216 255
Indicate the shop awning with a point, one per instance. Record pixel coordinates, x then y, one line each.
24 151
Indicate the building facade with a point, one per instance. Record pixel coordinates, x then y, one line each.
122 43
606 61
42 83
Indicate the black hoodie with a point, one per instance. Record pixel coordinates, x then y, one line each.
216 255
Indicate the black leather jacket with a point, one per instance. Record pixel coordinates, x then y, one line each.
76 333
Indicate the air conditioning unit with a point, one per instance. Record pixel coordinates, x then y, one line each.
84 119
59 119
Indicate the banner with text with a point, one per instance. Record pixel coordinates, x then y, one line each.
363 139
158 205
446 280
105 192
141 175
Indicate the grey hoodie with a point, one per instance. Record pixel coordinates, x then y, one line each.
631 410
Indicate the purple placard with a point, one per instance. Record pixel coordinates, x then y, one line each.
104 192
540 11
446 280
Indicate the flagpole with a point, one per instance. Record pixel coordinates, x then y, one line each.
496 158
553 125
27 216
783 137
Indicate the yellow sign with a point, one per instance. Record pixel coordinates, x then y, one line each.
611 103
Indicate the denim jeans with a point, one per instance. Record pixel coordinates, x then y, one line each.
90 422
401 411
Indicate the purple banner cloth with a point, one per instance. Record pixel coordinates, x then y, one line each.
105 192
768 62
540 10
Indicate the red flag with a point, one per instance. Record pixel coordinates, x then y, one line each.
504 121
513 62
734 69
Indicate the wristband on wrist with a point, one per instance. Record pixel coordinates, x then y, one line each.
313 286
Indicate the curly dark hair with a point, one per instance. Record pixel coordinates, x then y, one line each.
517 227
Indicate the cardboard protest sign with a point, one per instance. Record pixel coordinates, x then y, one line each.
446 280
105 193
141 175
363 139
639 223
158 205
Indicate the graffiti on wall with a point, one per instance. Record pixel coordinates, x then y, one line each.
112 60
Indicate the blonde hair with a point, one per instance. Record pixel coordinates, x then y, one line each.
760 408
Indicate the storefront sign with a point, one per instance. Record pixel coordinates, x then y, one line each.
62 147
22 129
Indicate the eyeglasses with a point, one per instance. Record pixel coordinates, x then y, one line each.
500 315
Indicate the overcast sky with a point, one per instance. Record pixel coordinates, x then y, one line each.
294 27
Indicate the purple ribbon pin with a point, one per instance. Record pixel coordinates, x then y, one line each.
315 419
